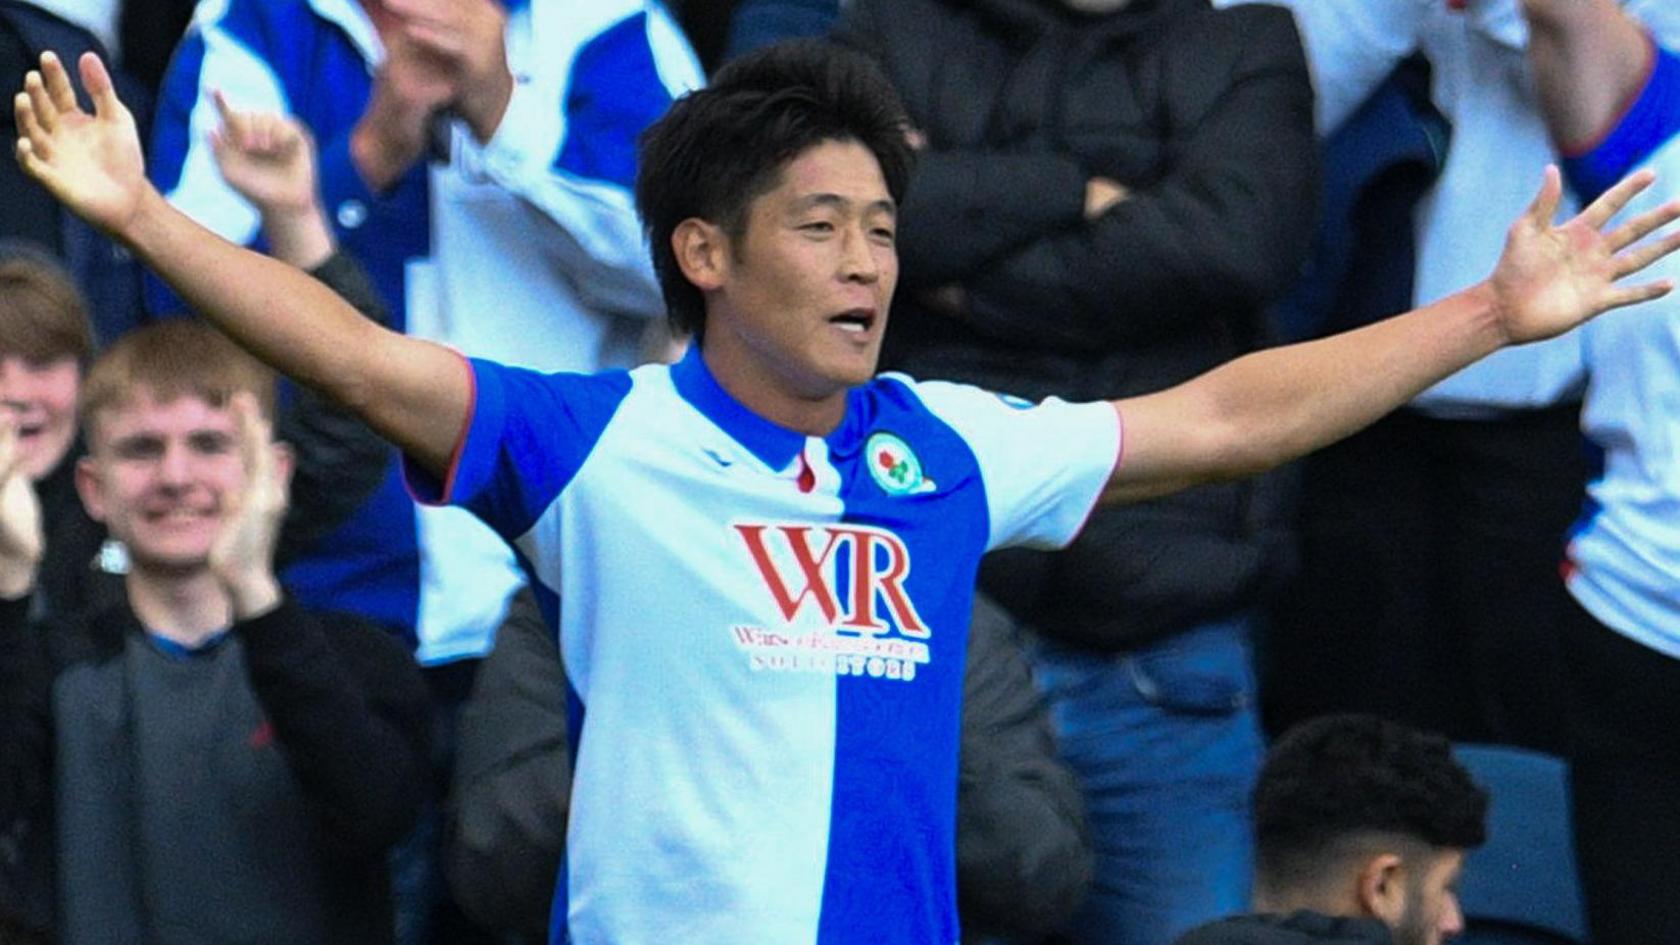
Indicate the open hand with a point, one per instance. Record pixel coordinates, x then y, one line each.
1552 278
242 557
268 158
21 540
91 163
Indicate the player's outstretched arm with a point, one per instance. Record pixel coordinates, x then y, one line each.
1273 406
414 393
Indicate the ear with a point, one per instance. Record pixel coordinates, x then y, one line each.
702 251
1382 888
90 487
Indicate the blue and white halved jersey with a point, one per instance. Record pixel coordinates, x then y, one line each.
764 634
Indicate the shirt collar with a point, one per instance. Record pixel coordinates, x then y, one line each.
180 652
774 445
349 16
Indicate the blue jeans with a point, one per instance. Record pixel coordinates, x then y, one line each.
1166 743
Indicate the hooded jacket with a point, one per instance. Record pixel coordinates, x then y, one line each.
1205 116
1299 928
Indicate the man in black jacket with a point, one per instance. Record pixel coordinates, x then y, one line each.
210 758
1106 196
1362 826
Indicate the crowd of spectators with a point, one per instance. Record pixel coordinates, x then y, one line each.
238 656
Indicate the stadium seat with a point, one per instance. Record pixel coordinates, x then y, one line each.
1521 888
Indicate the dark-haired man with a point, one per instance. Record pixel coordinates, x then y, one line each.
1361 828
768 555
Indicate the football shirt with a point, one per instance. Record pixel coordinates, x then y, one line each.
763 633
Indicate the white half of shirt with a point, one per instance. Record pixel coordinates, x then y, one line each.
1494 163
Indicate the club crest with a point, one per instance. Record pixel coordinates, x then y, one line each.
894 466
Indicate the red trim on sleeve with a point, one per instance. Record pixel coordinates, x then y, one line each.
1120 448
1582 149
448 488
1568 567
466 427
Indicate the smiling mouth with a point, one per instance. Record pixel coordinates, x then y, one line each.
177 516
857 321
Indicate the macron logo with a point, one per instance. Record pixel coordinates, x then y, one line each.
800 566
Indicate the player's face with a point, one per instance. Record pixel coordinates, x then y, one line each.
40 397
802 303
162 477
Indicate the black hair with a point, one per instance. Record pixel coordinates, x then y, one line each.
721 147
1346 776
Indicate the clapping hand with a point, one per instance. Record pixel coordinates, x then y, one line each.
21 540
242 557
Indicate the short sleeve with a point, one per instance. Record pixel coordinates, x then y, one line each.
1043 465
527 435
1651 120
